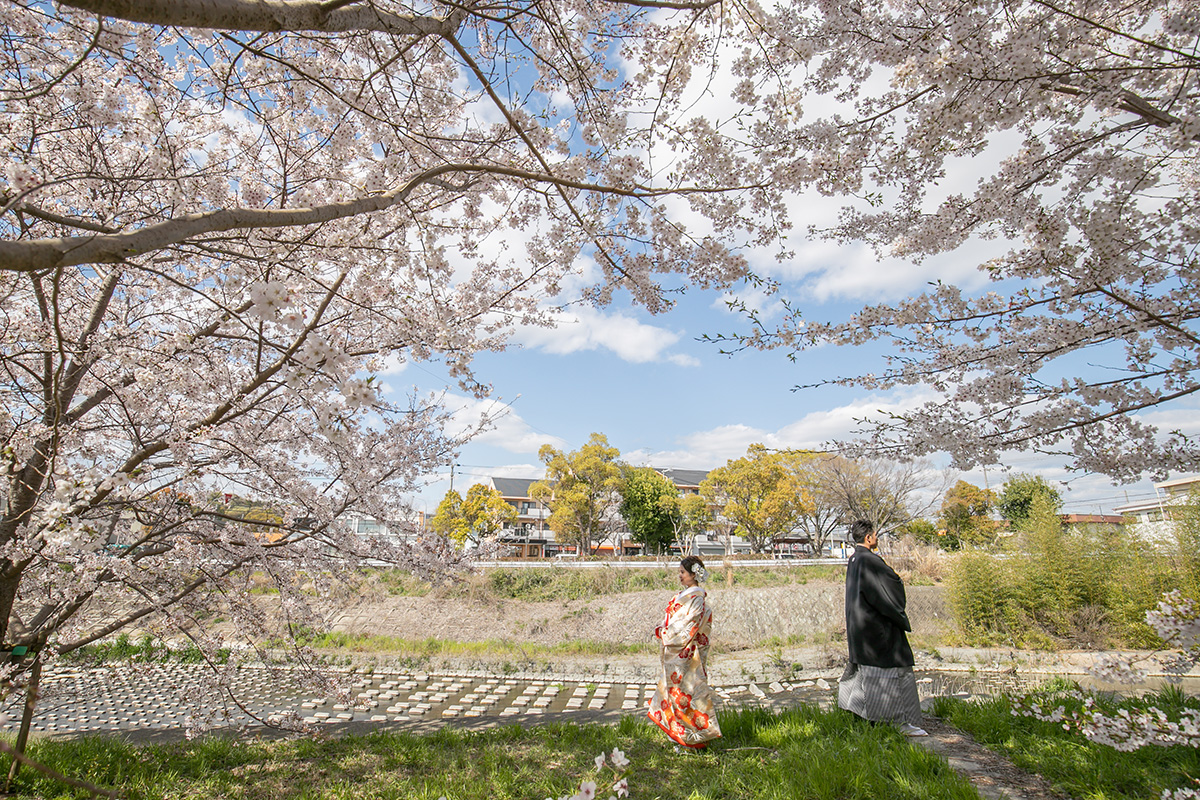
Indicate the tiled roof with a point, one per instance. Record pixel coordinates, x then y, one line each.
513 487
683 477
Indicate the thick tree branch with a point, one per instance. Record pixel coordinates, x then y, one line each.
262 16
45 254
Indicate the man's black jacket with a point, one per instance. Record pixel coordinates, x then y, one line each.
875 618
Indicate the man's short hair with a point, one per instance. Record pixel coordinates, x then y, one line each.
860 530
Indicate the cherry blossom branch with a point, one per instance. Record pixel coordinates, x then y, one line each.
43 254
1108 29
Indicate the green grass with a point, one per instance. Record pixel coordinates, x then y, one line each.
564 583
800 754
145 649
1083 769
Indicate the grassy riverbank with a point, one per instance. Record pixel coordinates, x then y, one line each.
800 753
1080 768
557 582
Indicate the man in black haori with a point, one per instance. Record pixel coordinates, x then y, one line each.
878 683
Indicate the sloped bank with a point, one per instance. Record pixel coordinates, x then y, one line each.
744 618
759 634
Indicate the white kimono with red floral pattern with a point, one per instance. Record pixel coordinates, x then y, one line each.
683 704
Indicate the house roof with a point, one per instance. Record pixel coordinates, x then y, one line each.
1178 483
513 487
1097 519
682 477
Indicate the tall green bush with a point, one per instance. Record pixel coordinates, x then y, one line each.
1078 585
1186 530
981 596
1059 573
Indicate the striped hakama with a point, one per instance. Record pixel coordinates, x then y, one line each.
880 694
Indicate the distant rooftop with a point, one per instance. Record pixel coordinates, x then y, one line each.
513 487
1178 482
683 477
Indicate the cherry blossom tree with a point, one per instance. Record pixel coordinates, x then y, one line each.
1081 120
220 223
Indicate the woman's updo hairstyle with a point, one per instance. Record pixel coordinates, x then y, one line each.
694 565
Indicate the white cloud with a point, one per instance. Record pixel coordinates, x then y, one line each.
712 448
504 427
393 364
583 329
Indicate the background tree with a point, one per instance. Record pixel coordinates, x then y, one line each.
762 495
690 517
1017 494
1079 120
582 491
822 506
649 507
716 501
887 493
448 520
922 531
966 516
474 519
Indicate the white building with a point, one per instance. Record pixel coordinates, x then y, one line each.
1152 518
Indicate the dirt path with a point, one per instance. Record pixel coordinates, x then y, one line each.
992 775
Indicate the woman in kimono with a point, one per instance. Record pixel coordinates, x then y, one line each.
682 704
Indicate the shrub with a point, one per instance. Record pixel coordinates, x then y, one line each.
981 597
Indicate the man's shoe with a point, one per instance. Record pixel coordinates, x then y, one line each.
908 729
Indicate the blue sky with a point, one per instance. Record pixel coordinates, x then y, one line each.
664 398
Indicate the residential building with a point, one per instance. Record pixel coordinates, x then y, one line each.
529 536
1152 518
1112 521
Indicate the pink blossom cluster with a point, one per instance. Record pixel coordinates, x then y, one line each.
617 763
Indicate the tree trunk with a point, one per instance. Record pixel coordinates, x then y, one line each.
32 689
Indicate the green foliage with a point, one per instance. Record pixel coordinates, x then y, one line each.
581 490
966 516
760 493
1074 765
433 648
805 752
481 515
921 530
1015 502
649 508
1186 529
982 598
146 649
547 585
1076 586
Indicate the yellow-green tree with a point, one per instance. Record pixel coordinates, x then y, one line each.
759 493
582 491
966 516
480 516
